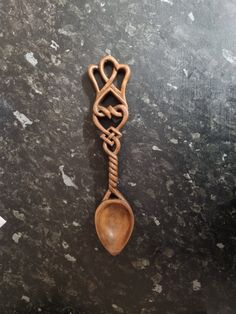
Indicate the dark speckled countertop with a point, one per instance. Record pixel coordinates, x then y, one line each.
177 163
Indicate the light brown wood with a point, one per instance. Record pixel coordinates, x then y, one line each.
114 219
114 223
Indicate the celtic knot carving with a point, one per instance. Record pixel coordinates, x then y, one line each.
111 135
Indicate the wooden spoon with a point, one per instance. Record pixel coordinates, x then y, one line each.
114 219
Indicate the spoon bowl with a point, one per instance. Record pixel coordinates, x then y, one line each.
114 221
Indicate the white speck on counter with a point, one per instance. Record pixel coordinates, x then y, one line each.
25 298
131 61
130 29
141 263
65 32
168 252
191 16
70 258
75 224
191 145
66 179
145 98
117 308
56 60
229 56
174 141
33 86
156 221
2 222
223 157
132 183
169 183
65 245
54 45
16 237
22 118
29 56
157 288
18 215
196 285
185 72
220 245
172 86
108 51
213 197
156 148
196 136
88 7
187 176
167 1
162 116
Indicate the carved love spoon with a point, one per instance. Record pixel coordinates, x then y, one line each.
114 219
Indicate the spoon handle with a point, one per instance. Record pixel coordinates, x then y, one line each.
111 135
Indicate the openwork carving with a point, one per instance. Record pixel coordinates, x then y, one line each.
111 135
114 219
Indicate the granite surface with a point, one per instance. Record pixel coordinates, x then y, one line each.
177 163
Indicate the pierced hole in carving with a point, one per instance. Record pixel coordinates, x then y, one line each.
113 196
98 78
108 68
109 100
119 78
106 122
113 147
116 120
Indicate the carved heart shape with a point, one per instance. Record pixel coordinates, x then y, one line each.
114 221
109 112
116 68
